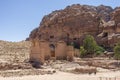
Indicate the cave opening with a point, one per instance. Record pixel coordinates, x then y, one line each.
51 37
105 34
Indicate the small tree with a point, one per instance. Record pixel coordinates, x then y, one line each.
117 51
89 44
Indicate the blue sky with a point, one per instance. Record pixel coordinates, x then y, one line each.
19 17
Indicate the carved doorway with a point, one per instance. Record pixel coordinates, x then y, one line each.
52 50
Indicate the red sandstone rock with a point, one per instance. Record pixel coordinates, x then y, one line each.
74 22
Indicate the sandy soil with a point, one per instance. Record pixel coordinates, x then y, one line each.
110 75
12 53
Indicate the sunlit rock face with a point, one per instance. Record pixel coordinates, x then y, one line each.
74 22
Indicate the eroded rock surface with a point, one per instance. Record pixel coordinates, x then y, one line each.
74 22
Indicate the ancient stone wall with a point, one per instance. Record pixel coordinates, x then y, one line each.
35 50
40 50
70 53
61 50
44 46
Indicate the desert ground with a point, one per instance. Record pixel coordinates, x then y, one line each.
14 65
69 76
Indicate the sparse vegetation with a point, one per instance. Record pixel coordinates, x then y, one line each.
82 51
83 70
90 47
89 44
99 50
117 51
14 54
14 51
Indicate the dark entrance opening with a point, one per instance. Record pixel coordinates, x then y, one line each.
52 49
51 37
105 34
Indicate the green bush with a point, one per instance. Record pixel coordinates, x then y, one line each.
82 51
89 44
90 47
99 50
117 51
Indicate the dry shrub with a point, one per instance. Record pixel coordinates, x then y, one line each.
54 71
14 66
85 70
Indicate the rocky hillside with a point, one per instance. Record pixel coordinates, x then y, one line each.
74 22
14 51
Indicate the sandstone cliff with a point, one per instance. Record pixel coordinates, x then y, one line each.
74 22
